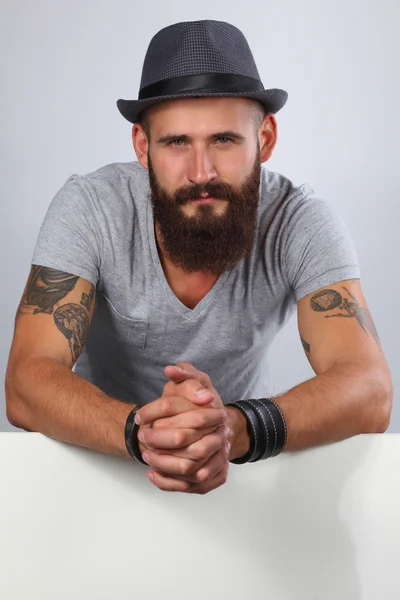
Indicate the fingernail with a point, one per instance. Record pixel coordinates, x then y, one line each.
141 436
150 475
178 368
227 431
138 420
145 457
228 447
203 394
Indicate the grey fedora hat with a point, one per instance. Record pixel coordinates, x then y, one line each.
195 59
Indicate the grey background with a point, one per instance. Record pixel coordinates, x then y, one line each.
63 66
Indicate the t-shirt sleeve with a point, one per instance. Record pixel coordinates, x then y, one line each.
69 238
318 248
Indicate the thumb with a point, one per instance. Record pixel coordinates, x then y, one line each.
184 369
176 375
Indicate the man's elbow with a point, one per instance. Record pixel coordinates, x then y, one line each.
383 422
13 403
381 405
13 419
12 413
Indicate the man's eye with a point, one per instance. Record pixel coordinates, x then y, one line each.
177 142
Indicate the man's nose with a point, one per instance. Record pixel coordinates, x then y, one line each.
200 169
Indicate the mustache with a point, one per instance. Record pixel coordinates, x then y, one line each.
216 190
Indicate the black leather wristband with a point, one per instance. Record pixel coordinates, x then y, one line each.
262 434
268 426
255 432
252 430
279 422
131 441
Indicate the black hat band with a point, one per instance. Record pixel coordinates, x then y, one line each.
209 83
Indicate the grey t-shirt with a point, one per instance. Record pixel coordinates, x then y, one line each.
100 227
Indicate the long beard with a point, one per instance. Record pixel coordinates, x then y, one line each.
207 242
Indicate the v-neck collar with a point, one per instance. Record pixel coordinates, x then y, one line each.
188 313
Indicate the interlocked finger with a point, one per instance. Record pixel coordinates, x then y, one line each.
172 438
216 482
185 461
168 484
210 469
203 475
198 418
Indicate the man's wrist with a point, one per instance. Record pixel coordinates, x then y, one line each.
239 437
132 442
266 429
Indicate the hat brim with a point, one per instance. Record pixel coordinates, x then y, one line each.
272 100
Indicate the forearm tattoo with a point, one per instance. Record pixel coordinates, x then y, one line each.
326 300
44 289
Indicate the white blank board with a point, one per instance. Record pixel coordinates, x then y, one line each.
316 525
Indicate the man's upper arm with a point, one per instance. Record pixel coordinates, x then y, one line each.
54 316
335 325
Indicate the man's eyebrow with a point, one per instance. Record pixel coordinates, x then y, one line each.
186 138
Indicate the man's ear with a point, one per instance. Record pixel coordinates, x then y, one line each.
140 144
268 136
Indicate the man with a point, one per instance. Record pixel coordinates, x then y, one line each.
195 257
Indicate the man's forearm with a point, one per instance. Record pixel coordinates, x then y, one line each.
344 401
46 396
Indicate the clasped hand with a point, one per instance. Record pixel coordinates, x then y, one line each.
184 437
